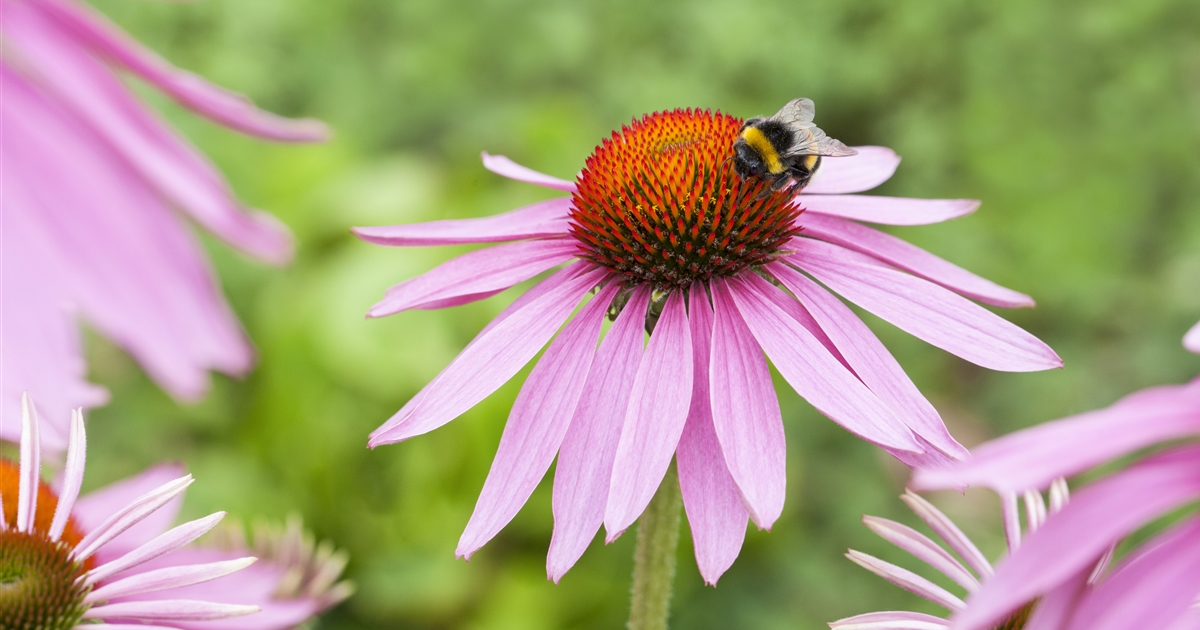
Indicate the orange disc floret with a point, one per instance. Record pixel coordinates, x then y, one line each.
660 203
10 479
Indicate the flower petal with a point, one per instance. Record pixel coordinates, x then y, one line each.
907 580
1151 589
163 544
586 456
924 310
476 275
745 411
218 104
1072 539
811 370
72 476
869 168
165 579
129 516
505 167
870 360
85 86
658 410
1055 608
892 620
1034 457
31 467
922 548
169 610
888 210
948 531
93 508
537 424
1191 340
495 356
912 259
542 219
711 500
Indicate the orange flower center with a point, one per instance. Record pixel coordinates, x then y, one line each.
660 203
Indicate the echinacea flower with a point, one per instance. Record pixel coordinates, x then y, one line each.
1156 584
971 576
1191 340
55 574
92 184
720 270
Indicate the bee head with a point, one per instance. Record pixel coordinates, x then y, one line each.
747 162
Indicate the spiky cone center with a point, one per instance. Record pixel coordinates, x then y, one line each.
659 202
40 584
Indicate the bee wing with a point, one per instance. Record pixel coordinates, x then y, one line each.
799 111
810 140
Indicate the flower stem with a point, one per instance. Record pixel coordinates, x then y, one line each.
654 558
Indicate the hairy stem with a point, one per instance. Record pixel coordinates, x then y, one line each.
654 558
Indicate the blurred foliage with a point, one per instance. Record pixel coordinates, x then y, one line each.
1077 123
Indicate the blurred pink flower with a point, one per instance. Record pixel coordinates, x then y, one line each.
1157 583
92 182
667 235
1191 340
112 556
980 571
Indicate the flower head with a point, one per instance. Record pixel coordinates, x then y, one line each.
1156 584
666 238
93 183
1191 340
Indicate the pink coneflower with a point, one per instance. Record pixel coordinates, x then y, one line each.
55 576
665 237
1156 585
962 563
91 184
1191 340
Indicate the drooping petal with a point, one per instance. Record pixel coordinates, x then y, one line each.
218 104
922 548
870 360
93 508
711 500
1151 589
1191 340
166 578
912 259
163 544
543 219
537 424
869 168
924 310
585 459
505 167
888 210
658 410
72 476
1054 609
892 620
1095 518
1034 457
476 275
492 358
745 411
907 580
811 370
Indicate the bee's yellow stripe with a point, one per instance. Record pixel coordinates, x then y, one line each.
756 139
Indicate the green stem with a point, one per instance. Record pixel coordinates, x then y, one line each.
654 558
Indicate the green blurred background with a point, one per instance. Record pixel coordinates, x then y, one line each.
1076 123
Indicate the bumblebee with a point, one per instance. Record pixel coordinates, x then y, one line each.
785 147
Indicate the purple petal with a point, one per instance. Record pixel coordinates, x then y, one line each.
891 620
537 424
503 166
1055 608
869 168
218 104
658 410
129 516
165 543
476 275
924 310
745 411
585 459
870 360
1072 539
1191 340
166 578
947 531
72 476
1151 589
85 86
922 548
1034 457
810 369
888 210
93 508
495 356
543 219
31 467
912 259
714 507
907 580
169 610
